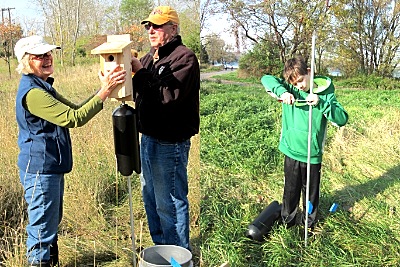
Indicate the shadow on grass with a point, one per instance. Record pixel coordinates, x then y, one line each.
350 195
195 243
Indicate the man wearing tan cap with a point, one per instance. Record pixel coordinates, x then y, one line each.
166 85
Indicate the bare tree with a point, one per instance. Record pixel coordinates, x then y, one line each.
287 24
77 26
67 20
371 38
361 36
205 11
217 50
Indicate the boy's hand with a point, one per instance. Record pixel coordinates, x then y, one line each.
287 98
312 99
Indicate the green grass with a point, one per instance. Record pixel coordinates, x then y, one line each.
368 82
241 173
237 122
235 76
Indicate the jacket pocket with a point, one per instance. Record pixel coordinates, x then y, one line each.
52 152
296 142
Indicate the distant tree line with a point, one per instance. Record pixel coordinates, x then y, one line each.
80 25
358 37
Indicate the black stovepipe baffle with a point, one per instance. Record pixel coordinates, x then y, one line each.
262 225
126 139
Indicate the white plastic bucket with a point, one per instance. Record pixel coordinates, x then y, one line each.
160 255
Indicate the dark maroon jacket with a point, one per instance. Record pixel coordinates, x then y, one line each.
167 93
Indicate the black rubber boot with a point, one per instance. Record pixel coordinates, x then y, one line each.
54 255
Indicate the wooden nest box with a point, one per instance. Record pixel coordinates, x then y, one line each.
117 51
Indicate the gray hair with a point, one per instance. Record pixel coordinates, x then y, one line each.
23 66
178 28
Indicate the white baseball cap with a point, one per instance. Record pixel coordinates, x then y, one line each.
35 45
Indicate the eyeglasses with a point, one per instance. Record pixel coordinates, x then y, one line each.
155 26
42 56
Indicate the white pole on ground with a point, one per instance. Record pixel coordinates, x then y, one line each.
309 139
131 217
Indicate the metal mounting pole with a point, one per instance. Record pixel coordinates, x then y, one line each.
131 218
127 153
309 139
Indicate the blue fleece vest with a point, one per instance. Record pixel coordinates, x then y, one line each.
44 146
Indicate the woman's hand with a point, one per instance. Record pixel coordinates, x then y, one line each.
110 81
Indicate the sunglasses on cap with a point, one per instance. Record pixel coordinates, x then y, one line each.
42 56
155 26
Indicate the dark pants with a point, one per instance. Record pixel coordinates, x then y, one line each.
296 184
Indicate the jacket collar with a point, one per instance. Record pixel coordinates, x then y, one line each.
166 49
50 80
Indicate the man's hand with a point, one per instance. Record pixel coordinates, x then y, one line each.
136 65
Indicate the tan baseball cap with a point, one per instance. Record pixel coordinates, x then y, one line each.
35 45
161 15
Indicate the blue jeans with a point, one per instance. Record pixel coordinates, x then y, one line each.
164 189
44 196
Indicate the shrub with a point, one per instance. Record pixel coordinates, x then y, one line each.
372 82
263 59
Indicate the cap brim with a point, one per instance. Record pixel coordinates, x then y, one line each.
42 49
155 20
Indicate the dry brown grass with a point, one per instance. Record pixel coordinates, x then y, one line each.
379 141
372 157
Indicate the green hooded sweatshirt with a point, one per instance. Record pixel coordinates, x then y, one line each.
294 136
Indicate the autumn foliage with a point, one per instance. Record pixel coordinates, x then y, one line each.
138 36
9 34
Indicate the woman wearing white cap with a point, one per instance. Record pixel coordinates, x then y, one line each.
43 117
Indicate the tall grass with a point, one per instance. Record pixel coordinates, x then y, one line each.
95 230
241 173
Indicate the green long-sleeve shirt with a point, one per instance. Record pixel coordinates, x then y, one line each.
61 111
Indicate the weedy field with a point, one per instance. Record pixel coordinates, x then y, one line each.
242 172
95 230
237 171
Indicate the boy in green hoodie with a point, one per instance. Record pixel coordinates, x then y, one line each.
293 92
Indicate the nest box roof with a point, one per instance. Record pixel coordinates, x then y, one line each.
114 44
